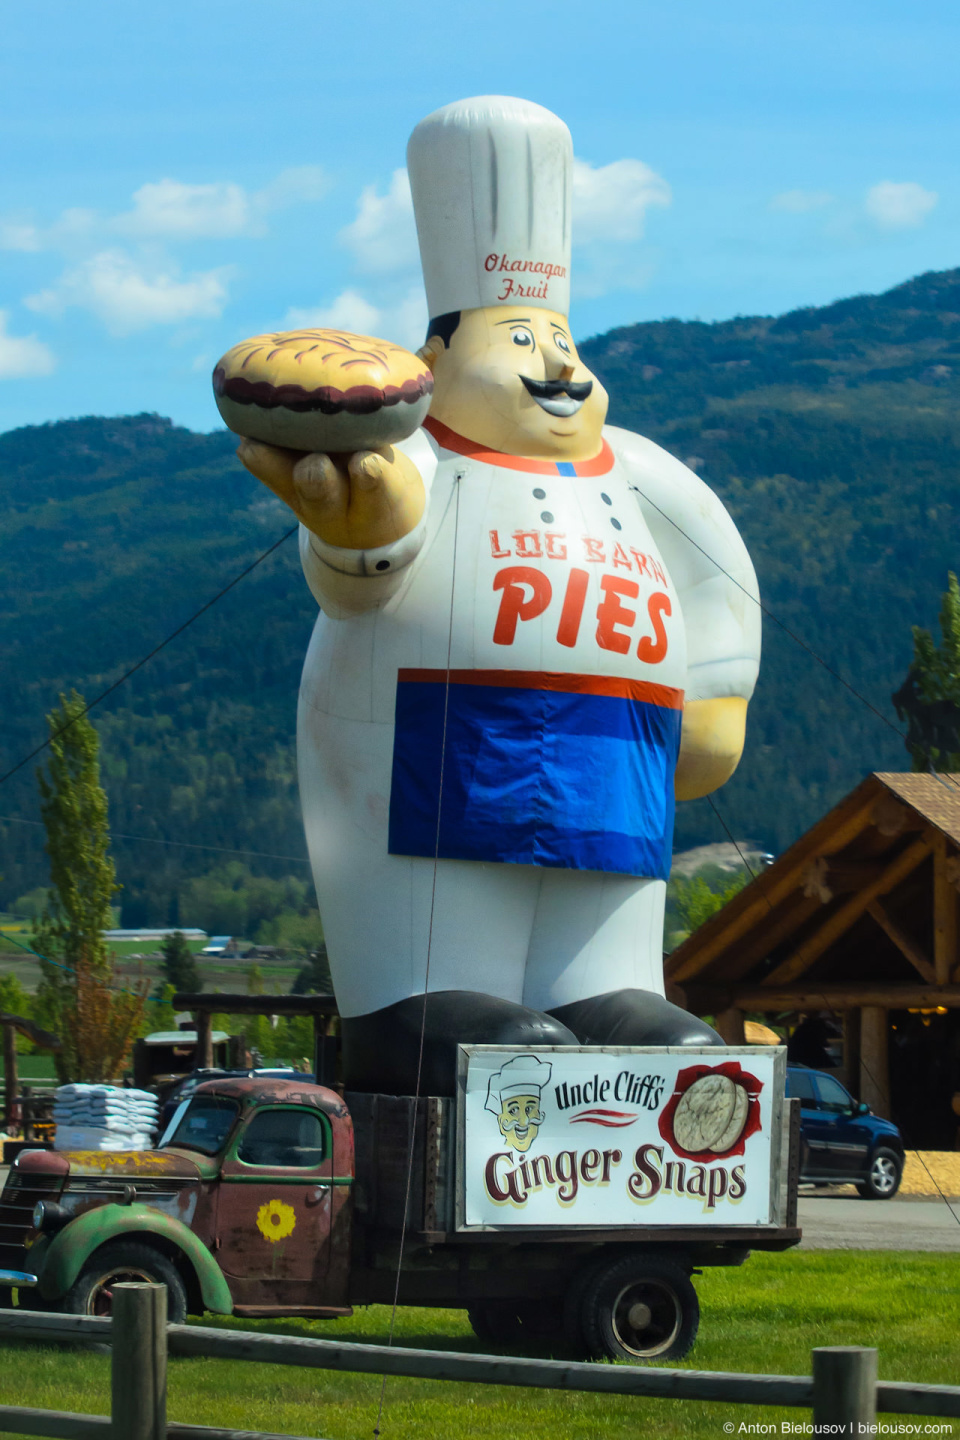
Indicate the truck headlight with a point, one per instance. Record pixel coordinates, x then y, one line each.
48 1216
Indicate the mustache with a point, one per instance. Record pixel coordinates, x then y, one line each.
548 389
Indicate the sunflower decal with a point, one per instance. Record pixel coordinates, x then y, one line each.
275 1220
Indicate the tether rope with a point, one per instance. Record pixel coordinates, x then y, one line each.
457 476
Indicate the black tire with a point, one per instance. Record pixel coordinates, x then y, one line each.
516 1324
642 1307
121 1260
883 1177
573 1310
482 1323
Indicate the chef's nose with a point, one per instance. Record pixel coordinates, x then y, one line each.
558 366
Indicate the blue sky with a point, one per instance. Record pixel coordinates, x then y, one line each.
177 177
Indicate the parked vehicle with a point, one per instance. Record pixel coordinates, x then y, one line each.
179 1091
270 1197
842 1141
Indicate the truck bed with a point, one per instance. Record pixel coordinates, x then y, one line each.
406 1181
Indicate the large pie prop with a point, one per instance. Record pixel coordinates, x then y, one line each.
322 390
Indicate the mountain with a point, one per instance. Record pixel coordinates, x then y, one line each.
832 434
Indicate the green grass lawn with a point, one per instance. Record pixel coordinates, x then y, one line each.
764 1318
33 1067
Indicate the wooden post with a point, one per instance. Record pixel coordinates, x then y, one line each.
944 916
729 1026
844 1389
10 1079
851 1051
26 1129
324 1052
138 1375
203 1058
874 1067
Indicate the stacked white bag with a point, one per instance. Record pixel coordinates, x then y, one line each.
104 1117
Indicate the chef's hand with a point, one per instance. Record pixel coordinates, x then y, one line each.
357 502
711 743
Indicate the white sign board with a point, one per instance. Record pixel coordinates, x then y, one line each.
614 1136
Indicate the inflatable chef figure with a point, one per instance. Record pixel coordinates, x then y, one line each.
536 630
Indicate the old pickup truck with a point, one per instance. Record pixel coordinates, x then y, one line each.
526 1206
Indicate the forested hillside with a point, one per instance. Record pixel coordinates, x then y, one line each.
832 435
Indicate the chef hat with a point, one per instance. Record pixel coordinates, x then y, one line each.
492 180
524 1075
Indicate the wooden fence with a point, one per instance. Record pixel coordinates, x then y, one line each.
842 1391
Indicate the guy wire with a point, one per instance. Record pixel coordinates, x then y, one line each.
89 705
426 978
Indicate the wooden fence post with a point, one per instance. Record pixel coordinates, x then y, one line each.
11 1079
203 1055
845 1387
138 1376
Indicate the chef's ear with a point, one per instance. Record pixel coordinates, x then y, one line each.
429 352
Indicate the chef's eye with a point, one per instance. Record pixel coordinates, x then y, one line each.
562 343
522 337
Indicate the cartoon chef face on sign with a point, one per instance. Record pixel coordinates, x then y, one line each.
513 1095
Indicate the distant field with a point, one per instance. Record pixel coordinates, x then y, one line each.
763 1318
230 975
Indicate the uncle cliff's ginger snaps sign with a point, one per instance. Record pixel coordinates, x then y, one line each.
618 1137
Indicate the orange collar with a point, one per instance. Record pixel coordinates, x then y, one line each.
449 440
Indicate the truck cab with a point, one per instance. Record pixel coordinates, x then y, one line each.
247 1197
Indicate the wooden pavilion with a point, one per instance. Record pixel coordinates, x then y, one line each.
856 922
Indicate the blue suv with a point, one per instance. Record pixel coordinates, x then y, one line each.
841 1141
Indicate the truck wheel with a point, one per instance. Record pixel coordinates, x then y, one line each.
115 1263
512 1323
483 1324
573 1310
640 1308
883 1177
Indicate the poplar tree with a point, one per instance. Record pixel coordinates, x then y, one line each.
180 968
928 702
96 1019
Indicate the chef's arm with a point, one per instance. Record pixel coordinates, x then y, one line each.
355 503
362 518
711 743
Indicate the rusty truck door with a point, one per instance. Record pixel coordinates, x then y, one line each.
274 1212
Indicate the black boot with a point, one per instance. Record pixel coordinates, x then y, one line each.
634 1017
380 1050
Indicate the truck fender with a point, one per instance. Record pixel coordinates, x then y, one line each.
71 1248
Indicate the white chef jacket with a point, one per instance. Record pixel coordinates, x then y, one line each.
529 647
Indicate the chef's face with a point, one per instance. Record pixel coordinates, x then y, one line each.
510 379
520 1118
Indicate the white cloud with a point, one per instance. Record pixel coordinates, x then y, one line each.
171 210
610 202
800 202
19 235
22 356
899 206
298 185
383 237
127 297
168 209
403 321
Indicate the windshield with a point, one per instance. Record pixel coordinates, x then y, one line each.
201 1123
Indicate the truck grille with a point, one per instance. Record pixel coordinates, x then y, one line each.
20 1194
